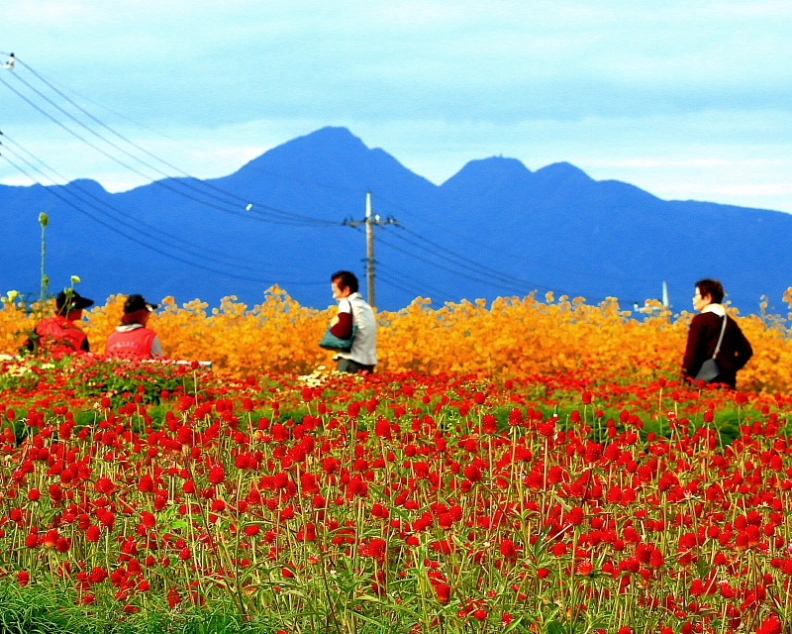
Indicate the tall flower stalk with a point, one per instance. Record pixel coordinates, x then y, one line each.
44 221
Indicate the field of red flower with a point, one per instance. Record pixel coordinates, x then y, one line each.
396 502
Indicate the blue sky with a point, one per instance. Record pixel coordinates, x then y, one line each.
688 100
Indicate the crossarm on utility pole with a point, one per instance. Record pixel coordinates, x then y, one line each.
371 220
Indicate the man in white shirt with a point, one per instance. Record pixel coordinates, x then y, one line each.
353 310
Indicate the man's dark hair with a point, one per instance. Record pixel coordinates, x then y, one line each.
346 279
713 288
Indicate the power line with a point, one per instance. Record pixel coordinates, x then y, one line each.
155 233
275 215
412 286
453 258
467 263
390 282
542 263
111 227
145 151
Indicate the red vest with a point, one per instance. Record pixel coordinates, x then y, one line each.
59 336
133 344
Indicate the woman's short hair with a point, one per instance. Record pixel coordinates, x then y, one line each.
713 288
346 279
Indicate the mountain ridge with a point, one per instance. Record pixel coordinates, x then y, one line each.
555 228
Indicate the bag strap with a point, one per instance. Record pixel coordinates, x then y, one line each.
720 339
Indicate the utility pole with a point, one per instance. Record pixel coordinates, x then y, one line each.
371 220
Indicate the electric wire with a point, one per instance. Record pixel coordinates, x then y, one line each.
489 247
390 282
505 281
465 263
99 122
474 278
104 107
54 192
452 257
469 262
275 215
418 289
150 231
526 286
144 150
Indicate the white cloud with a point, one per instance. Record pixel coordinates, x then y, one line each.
677 96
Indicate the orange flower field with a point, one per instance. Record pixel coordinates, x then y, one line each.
510 336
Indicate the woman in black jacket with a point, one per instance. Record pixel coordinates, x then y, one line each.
705 330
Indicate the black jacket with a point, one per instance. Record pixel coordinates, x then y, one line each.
703 338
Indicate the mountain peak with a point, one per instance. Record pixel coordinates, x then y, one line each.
330 141
332 136
563 171
492 169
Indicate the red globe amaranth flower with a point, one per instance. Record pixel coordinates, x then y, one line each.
217 474
771 625
23 578
105 485
443 591
93 533
584 568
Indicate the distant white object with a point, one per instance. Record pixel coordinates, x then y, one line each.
249 207
10 63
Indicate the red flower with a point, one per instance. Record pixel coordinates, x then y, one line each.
217 474
375 548
383 429
584 568
509 549
105 485
23 577
473 472
443 591
93 533
771 625
489 424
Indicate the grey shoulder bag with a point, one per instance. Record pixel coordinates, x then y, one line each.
709 369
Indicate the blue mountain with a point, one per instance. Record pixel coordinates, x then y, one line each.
493 229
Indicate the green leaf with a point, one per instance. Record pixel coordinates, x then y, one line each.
554 627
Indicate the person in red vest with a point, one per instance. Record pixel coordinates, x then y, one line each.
133 339
61 335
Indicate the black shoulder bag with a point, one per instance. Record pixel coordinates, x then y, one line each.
709 369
